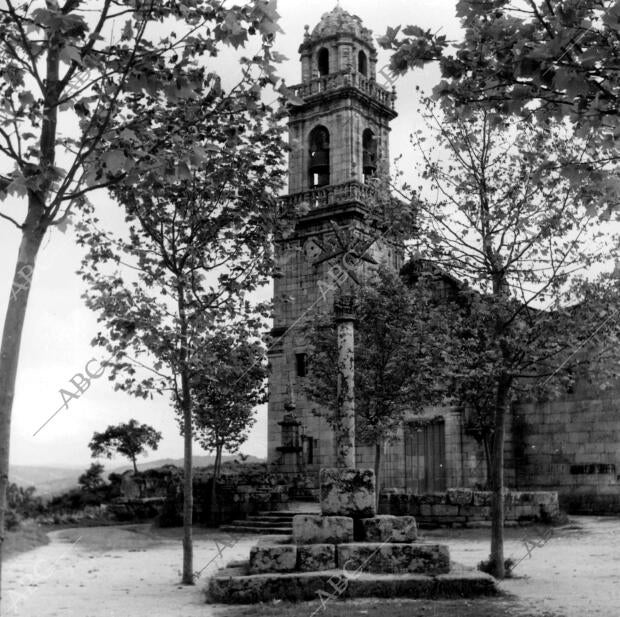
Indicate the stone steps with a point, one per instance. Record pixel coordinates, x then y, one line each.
274 522
235 586
322 559
271 518
285 513
254 522
256 530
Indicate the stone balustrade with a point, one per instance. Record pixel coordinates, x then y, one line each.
346 79
328 195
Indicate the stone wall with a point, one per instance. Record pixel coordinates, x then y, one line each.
572 446
240 492
245 493
467 507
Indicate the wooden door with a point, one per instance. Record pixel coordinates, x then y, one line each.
425 457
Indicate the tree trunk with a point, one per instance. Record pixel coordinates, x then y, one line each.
216 475
497 482
33 230
218 460
135 467
488 448
188 436
378 447
11 340
188 488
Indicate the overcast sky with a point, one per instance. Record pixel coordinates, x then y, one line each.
58 329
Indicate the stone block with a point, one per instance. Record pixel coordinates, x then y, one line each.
426 510
391 586
348 492
394 558
511 499
546 497
397 504
386 528
392 491
526 511
450 521
317 529
510 513
460 496
433 498
475 512
233 586
465 584
524 497
273 558
316 557
444 510
551 511
482 498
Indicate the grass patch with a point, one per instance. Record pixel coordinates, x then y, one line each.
503 606
27 537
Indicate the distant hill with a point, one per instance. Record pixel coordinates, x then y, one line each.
54 480
47 480
198 461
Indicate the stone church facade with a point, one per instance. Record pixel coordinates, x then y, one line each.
339 138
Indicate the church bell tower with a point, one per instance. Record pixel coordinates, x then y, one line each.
339 140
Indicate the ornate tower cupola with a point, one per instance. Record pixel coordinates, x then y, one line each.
339 142
338 42
343 123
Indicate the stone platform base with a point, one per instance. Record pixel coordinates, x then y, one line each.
234 586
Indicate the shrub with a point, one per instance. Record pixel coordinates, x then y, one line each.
23 501
12 520
488 566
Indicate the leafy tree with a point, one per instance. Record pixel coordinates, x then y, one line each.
234 383
564 55
24 501
542 58
91 479
129 439
67 71
528 244
400 338
197 245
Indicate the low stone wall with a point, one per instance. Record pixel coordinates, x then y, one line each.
241 491
238 496
468 507
588 501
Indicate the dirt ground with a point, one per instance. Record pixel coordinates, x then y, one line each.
133 571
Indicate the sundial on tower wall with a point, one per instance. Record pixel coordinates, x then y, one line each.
343 246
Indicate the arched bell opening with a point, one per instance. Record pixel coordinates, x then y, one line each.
362 63
323 61
369 154
318 169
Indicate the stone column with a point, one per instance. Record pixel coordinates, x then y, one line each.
345 413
